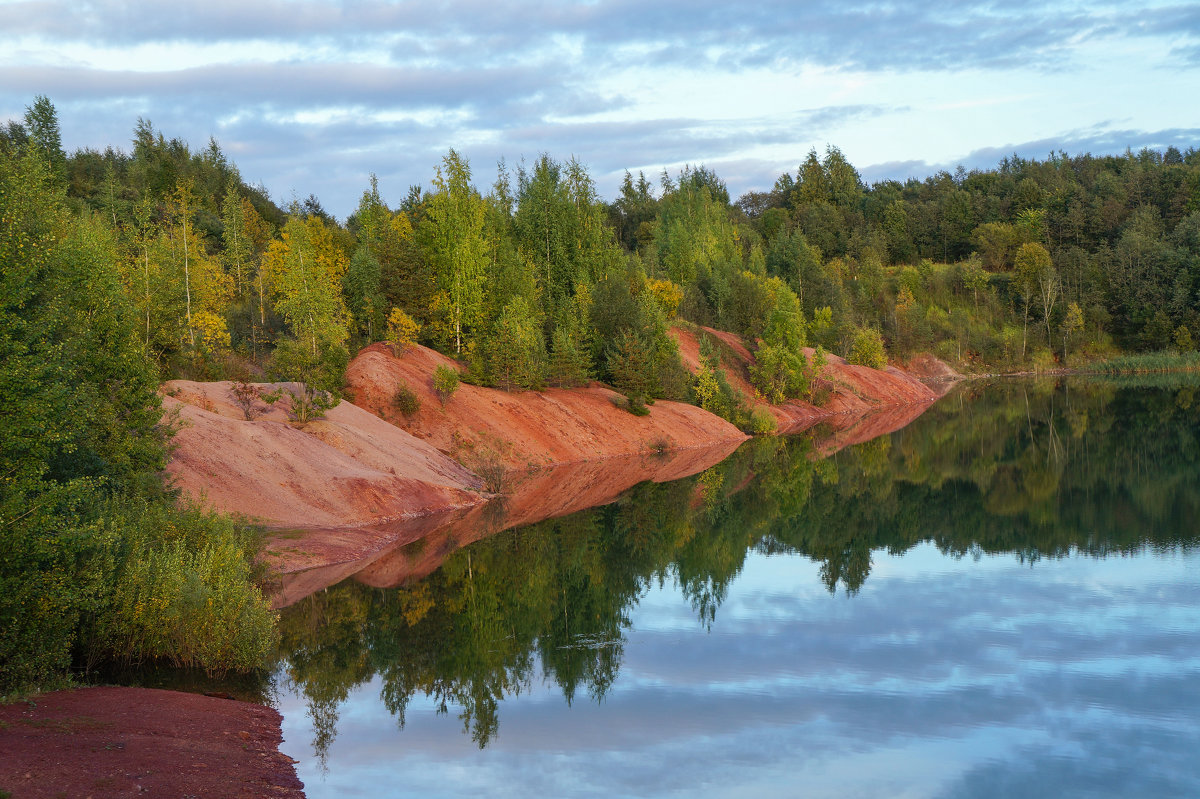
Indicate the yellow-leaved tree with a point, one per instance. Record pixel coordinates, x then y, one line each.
303 270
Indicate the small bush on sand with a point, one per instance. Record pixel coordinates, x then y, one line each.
406 400
445 383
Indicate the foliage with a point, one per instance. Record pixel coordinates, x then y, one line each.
183 592
445 383
364 298
214 269
779 373
631 365
712 390
402 331
82 502
668 295
867 349
406 400
248 396
317 375
762 423
452 239
515 353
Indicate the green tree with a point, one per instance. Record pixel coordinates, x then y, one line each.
363 293
1037 277
41 126
996 242
1072 325
516 352
867 349
632 367
78 416
305 268
453 239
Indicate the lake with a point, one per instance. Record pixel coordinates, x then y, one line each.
1000 599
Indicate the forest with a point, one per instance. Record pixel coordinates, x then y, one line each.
121 269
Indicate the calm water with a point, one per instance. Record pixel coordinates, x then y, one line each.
1002 599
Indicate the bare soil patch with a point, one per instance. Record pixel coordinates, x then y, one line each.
122 742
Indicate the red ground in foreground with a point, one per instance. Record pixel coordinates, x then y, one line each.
122 742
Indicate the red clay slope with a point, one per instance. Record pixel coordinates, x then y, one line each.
350 468
853 390
526 428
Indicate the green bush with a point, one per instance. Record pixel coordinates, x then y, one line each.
867 349
779 374
762 422
182 590
445 383
406 400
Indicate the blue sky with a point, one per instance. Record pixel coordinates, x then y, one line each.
313 96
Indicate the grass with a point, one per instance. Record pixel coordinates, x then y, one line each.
1147 363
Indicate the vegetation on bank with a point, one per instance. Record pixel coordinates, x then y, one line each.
1146 363
99 562
120 269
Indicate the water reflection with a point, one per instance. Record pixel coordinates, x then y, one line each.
953 648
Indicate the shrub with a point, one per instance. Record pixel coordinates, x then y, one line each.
248 397
762 422
1043 360
308 403
778 373
183 592
406 400
867 349
445 383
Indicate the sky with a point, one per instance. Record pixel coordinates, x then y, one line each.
313 96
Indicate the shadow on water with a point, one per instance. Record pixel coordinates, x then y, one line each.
1036 469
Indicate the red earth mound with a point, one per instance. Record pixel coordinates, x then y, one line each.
350 468
528 428
853 391
118 742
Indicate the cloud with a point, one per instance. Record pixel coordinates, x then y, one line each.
312 95
904 35
296 86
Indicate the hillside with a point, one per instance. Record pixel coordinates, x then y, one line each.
849 392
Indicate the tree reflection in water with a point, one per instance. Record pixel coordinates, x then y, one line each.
1038 468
